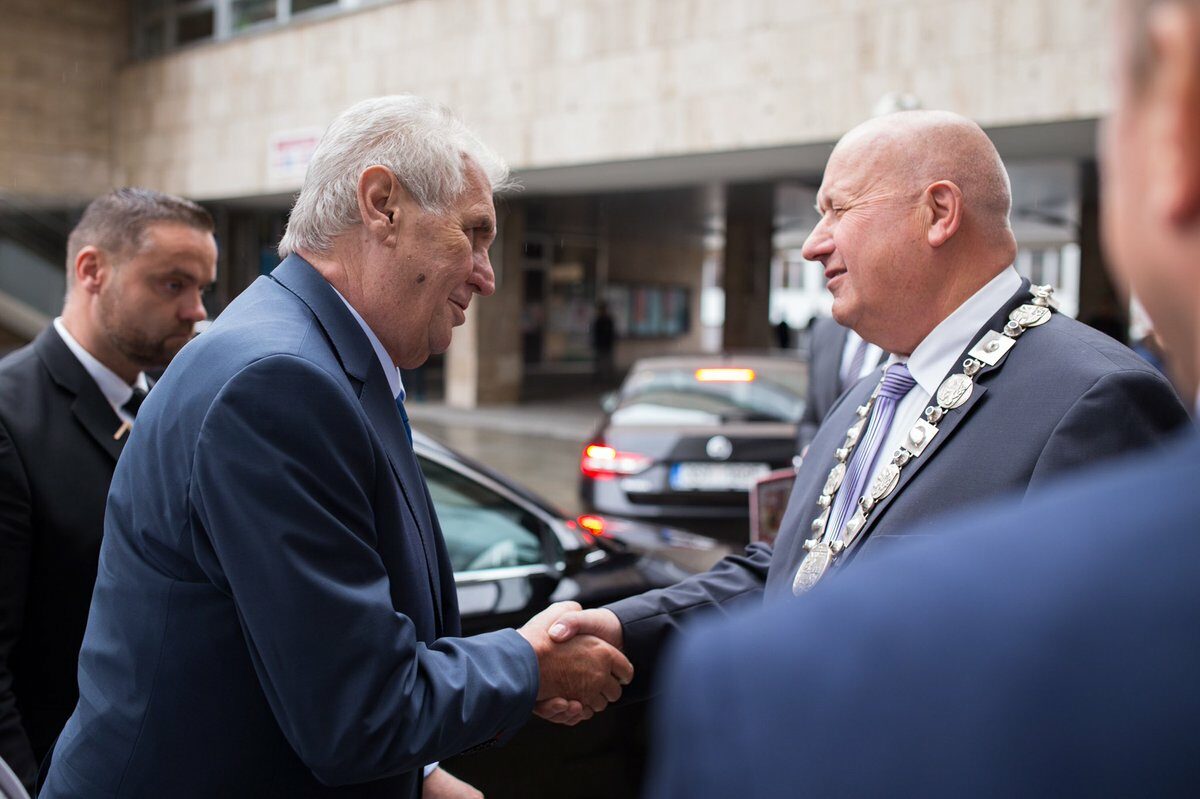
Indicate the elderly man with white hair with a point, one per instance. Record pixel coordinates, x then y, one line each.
275 613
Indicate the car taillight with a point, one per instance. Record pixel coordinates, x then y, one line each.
603 462
593 525
725 375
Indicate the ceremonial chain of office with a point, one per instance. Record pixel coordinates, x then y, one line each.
827 544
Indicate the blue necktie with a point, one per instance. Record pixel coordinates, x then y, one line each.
897 381
404 418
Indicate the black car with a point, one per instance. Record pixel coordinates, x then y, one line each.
513 555
685 439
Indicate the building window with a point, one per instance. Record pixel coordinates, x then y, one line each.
160 26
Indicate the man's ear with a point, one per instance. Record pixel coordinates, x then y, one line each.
1173 92
91 269
944 204
381 199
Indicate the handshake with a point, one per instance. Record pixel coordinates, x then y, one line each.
580 665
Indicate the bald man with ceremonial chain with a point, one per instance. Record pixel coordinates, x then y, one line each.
990 389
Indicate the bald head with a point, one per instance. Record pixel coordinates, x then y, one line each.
912 149
914 220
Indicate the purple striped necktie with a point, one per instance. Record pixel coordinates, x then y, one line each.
897 382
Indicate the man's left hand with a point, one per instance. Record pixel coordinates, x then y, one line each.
441 784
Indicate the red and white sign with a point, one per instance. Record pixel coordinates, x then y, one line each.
288 154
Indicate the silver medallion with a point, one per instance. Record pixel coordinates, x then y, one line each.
919 437
834 481
812 568
1030 315
954 391
992 347
855 431
885 482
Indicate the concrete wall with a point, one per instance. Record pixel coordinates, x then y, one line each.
58 78
554 82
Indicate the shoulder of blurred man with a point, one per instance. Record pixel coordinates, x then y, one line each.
57 455
1028 650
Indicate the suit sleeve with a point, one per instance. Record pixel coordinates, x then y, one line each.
693 749
650 620
1122 412
16 547
283 490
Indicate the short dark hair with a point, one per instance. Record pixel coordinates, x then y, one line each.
116 222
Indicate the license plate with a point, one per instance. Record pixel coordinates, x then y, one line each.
716 476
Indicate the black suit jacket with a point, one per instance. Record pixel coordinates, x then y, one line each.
1065 396
57 455
826 344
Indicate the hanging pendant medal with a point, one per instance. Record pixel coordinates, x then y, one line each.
812 568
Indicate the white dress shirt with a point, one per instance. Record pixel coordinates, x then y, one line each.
938 353
114 389
392 372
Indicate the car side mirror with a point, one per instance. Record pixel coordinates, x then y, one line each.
609 401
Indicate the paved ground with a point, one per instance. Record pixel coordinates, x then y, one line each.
535 443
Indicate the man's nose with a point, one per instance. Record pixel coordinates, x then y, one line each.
818 244
194 311
483 279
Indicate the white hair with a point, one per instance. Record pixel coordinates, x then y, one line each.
425 146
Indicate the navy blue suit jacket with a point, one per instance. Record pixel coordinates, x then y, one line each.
1041 649
1065 396
275 610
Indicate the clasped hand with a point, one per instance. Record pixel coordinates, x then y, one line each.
580 664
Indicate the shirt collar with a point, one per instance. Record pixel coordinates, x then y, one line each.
114 389
938 352
390 370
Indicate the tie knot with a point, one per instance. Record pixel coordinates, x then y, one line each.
897 381
134 402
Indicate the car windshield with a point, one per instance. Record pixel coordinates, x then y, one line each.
682 395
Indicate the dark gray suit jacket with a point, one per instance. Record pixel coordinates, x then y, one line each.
1065 395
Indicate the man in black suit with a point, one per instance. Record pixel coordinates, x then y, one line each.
137 265
837 359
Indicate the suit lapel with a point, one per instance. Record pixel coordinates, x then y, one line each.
358 359
955 418
89 406
381 408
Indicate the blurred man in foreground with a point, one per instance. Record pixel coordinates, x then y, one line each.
1048 649
276 613
988 390
137 265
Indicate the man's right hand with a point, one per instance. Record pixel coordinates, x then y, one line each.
582 675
